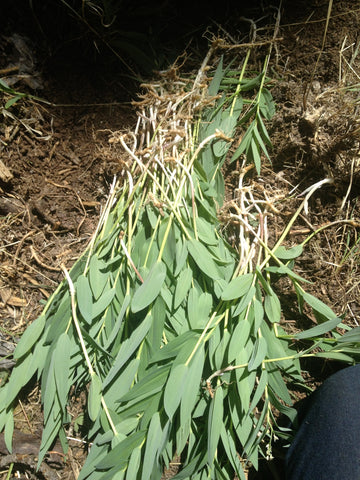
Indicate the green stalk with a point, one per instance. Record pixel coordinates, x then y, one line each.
238 88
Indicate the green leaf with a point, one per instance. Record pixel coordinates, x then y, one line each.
263 131
152 445
319 306
203 259
192 388
199 308
118 322
191 468
239 337
288 253
183 284
272 308
89 308
97 276
30 337
94 399
260 142
244 144
61 367
237 287
267 105
284 270
215 423
153 382
352 336
340 357
84 297
13 100
245 301
231 452
150 289
277 384
121 384
215 82
259 353
227 126
103 302
181 257
9 430
206 231
128 347
183 342
174 389
263 382
122 451
134 464
254 155
319 329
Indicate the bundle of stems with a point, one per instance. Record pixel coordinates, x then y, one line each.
173 333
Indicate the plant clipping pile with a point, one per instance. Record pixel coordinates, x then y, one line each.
173 333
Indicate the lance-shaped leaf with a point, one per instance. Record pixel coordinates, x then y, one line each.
30 337
319 329
174 389
94 398
203 259
237 287
183 284
150 289
215 423
152 446
259 353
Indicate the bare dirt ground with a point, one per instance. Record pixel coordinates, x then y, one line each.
57 166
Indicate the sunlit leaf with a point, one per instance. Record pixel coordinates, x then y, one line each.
341 357
215 423
134 464
9 430
319 329
150 289
122 451
61 367
98 276
272 308
254 154
199 308
203 259
84 298
288 253
244 144
150 384
206 231
152 446
174 389
182 286
259 353
261 143
238 287
128 347
30 336
94 399
216 80
318 305
172 348
239 337
192 388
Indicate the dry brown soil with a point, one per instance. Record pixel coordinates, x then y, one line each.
57 166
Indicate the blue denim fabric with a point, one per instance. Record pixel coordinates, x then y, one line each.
327 444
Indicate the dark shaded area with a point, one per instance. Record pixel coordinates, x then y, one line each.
141 36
